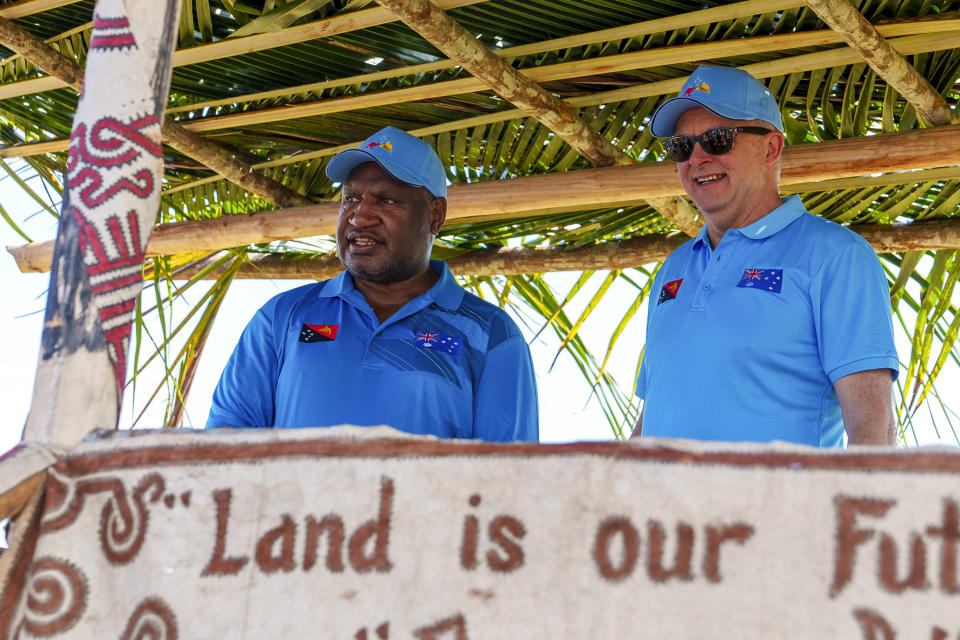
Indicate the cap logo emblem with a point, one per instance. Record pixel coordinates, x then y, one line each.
703 86
385 144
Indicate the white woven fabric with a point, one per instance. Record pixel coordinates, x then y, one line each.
228 535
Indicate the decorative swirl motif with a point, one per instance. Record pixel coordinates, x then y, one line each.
56 596
123 529
111 143
123 526
152 620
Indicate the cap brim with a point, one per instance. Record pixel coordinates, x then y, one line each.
664 121
342 165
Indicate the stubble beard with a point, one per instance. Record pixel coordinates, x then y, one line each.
386 272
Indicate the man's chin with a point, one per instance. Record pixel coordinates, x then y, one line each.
382 274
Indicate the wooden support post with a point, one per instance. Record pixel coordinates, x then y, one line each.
113 180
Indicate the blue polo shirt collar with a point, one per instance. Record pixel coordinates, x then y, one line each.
446 291
775 221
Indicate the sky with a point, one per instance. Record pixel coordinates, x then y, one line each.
567 411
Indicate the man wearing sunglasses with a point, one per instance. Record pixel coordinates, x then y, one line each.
772 323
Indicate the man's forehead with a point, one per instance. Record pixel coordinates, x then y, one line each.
371 175
703 119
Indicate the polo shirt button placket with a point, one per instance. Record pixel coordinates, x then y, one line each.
364 358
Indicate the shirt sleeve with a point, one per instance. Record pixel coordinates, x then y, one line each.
505 401
245 395
851 313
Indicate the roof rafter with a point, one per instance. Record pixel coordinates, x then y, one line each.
460 45
859 33
554 192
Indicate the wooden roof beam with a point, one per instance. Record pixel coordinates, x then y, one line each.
843 17
558 192
211 154
623 254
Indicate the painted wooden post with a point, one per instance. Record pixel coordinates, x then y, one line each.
114 170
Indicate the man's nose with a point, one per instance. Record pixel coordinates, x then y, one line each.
363 214
699 157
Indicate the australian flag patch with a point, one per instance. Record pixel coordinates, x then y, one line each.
669 291
318 332
439 342
765 279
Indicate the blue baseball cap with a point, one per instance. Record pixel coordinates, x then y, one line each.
726 91
407 158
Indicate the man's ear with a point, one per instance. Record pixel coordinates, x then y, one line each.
438 214
774 146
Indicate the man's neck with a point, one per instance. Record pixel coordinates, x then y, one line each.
387 298
715 232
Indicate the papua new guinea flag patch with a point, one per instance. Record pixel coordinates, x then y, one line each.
318 332
765 279
669 291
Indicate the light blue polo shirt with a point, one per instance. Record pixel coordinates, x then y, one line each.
745 341
447 364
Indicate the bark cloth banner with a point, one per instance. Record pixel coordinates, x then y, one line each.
367 534
113 175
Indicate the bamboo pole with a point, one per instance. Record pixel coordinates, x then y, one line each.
30 7
211 154
624 254
919 236
841 56
557 192
843 17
